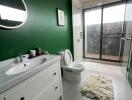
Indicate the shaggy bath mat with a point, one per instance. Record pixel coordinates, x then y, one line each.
97 87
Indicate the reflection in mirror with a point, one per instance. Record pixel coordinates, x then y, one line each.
13 13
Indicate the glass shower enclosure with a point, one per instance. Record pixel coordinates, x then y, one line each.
127 55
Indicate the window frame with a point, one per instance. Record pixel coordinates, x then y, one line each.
83 20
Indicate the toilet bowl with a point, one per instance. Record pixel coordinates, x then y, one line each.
71 70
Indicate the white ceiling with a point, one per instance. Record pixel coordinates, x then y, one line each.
90 3
103 1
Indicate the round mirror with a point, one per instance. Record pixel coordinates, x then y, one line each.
13 13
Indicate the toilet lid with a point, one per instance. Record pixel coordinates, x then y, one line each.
67 57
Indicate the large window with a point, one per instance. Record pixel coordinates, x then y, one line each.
103 31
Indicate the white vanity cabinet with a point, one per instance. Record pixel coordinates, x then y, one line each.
45 85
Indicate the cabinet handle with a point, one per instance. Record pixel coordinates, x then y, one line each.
54 74
56 88
22 98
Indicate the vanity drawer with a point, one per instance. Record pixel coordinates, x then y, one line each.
52 93
30 88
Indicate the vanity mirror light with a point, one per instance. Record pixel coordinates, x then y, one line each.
13 13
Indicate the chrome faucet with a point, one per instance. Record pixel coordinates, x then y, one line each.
20 58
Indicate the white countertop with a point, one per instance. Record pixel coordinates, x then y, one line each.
8 81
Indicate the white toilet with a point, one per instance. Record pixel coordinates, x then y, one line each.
71 70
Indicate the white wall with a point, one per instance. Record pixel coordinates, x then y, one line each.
77 29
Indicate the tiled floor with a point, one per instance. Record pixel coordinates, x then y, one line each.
122 89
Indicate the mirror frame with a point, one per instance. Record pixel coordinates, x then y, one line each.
8 27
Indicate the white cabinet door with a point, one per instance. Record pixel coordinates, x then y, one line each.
53 92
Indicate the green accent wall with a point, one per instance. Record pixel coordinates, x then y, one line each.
40 30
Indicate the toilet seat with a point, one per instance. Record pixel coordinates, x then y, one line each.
67 57
74 67
69 64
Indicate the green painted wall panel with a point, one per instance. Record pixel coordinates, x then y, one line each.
40 30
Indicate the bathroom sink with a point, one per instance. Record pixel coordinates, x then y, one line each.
25 66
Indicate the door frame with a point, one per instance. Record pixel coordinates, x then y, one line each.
101 30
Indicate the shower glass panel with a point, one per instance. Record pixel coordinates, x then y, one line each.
92 20
128 36
127 54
